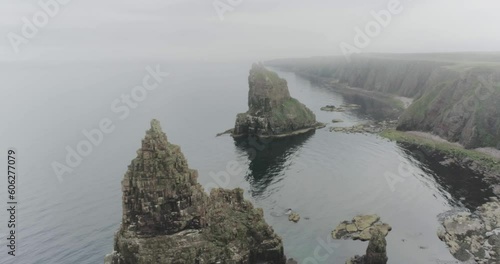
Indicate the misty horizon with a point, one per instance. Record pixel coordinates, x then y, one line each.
247 30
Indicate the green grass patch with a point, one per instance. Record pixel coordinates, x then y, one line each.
292 109
443 147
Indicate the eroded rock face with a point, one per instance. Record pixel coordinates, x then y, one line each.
161 194
168 218
272 111
473 236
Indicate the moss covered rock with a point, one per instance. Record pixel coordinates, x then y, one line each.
272 111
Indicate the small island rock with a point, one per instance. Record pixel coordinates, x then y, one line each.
272 111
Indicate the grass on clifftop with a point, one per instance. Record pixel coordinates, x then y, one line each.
261 73
443 147
294 110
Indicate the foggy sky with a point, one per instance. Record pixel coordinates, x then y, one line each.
255 29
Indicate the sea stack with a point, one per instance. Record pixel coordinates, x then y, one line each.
168 218
272 111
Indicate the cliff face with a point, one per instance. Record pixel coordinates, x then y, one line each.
456 95
465 110
272 112
403 76
168 218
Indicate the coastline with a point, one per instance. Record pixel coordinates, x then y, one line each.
481 161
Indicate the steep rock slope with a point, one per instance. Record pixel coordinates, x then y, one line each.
465 109
168 218
457 95
272 111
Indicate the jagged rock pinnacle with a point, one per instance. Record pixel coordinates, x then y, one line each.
159 187
168 218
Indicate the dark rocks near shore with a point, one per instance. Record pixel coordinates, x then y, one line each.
372 127
342 108
168 218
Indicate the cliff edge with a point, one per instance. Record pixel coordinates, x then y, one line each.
168 218
455 95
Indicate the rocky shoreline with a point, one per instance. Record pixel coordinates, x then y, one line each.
372 127
473 237
448 153
342 108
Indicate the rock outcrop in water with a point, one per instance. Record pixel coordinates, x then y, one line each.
168 218
376 253
366 227
361 227
272 111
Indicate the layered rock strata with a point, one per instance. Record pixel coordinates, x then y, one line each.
168 218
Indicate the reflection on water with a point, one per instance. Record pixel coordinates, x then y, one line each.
268 159
466 188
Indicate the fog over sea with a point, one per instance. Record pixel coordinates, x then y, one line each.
326 177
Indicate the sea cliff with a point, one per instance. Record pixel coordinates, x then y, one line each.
168 218
455 95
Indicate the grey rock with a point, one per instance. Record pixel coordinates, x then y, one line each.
168 218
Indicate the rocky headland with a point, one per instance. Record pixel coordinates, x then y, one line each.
272 111
168 218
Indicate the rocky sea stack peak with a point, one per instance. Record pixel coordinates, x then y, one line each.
272 111
161 194
168 218
267 89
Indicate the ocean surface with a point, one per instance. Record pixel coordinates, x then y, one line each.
326 177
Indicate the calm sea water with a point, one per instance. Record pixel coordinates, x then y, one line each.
325 177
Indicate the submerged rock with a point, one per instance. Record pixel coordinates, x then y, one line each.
473 236
272 111
361 228
168 218
294 217
368 127
342 108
